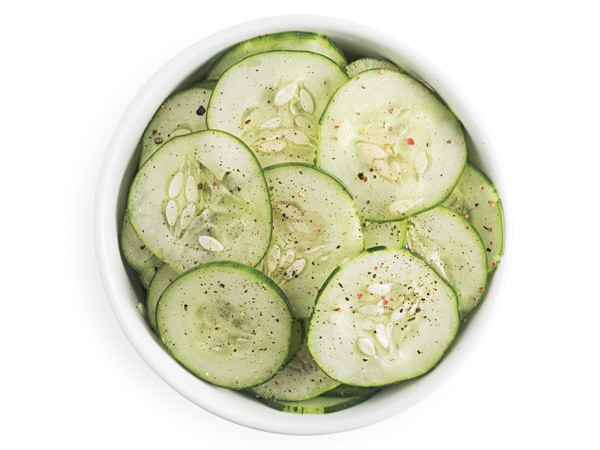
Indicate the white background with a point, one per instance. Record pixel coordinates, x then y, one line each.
70 379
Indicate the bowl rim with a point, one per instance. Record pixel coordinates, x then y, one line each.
122 295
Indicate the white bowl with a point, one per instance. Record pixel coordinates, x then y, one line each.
124 292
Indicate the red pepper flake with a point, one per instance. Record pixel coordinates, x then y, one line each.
359 295
493 264
467 227
357 113
480 289
282 202
385 302
491 203
335 127
487 228
338 309
410 141
214 184
324 81
376 267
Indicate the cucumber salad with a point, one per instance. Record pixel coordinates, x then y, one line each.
308 230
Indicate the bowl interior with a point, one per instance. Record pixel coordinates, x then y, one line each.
124 291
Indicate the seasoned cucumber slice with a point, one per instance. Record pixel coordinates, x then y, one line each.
164 276
402 149
385 234
317 405
300 379
183 113
476 198
137 255
202 197
226 323
383 317
273 101
454 249
315 226
363 64
309 42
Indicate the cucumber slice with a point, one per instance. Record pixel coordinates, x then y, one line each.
363 64
273 101
136 254
309 42
345 391
300 379
297 339
183 113
381 318
163 278
226 323
202 197
476 198
454 249
385 234
317 405
315 226
399 150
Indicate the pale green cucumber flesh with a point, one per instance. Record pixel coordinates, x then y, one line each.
183 113
397 148
454 249
226 323
385 234
284 94
381 318
200 198
476 198
300 379
315 227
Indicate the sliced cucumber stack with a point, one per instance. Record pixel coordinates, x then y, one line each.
403 150
315 226
284 94
256 195
383 317
226 323
200 198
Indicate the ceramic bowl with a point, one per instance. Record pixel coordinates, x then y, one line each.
123 290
